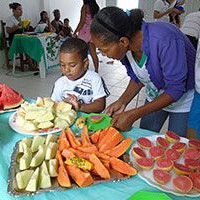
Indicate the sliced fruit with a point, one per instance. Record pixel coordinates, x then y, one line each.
80 163
26 141
145 163
63 141
44 177
156 152
30 126
78 153
53 168
122 167
195 143
191 153
162 142
33 182
51 150
81 178
120 149
45 125
144 143
37 141
67 154
172 155
47 116
38 157
181 169
161 176
85 140
102 156
63 177
180 147
25 160
193 164
95 136
89 149
96 118
194 175
164 164
23 178
39 101
172 137
63 107
51 138
196 184
138 153
99 167
182 184
72 139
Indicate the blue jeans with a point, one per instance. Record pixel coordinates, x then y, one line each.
154 121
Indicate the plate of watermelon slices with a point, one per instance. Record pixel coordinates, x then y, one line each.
168 162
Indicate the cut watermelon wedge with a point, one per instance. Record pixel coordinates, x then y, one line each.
9 98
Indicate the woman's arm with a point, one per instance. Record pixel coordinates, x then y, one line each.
13 28
82 19
158 15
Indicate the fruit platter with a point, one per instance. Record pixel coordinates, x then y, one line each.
169 163
9 99
43 117
55 163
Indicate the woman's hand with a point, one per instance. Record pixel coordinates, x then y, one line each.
73 100
124 120
115 108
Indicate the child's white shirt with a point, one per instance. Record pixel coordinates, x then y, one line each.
88 88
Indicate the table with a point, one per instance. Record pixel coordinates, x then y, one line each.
42 48
109 190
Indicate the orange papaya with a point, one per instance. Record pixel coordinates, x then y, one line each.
80 154
67 154
63 141
85 140
63 178
102 155
89 149
72 138
59 158
95 136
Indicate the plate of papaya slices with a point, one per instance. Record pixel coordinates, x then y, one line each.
93 121
168 162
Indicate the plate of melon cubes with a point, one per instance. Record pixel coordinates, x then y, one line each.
43 164
43 117
168 162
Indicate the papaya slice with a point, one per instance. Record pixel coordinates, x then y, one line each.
99 167
102 156
122 166
63 178
95 136
120 149
102 134
67 154
80 154
63 141
88 149
59 158
111 142
85 140
81 178
72 138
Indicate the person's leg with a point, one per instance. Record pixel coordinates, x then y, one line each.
94 56
154 121
178 123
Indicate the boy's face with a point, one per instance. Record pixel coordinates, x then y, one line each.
66 23
72 66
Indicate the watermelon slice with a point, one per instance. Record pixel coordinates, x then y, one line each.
9 98
96 118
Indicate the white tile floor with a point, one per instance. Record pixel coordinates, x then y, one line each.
114 75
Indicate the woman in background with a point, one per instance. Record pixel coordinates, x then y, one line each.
88 10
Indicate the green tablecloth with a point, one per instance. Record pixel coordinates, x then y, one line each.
110 190
29 45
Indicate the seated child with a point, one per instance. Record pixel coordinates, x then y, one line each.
82 88
67 30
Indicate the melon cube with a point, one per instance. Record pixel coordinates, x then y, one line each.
22 178
33 182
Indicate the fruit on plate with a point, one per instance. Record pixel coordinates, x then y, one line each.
53 167
30 126
45 125
62 106
50 138
144 143
44 177
138 153
156 152
195 177
182 184
96 118
24 142
23 178
162 142
191 153
33 182
161 176
195 143
172 155
9 98
191 163
37 141
51 150
172 137
60 123
25 160
145 163
181 169
164 164
180 147
39 156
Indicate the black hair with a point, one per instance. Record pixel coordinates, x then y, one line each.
112 23
94 8
14 5
56 11
66 19
42 13
72 45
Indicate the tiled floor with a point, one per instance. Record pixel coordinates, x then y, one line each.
114 75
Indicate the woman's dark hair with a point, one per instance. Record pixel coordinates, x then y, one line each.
42 13
94 8
112 23
14 5
72 45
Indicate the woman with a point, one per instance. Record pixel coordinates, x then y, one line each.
14 22
152 56
88 10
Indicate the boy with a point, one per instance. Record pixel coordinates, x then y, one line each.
82 88
67 30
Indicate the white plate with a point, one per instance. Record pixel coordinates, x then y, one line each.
20 130
10 110
147 175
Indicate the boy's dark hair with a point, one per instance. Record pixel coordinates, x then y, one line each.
112 23
14 5
72 45
66 19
